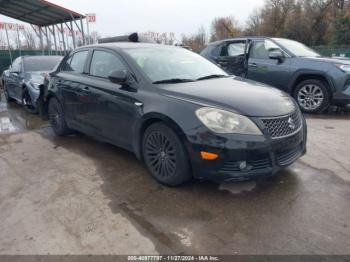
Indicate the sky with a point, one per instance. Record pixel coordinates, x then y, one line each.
117 17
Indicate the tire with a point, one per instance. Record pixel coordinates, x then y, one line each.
165 155
57 118
8 98
27 103
312 96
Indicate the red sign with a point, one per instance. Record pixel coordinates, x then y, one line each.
91 18
10 26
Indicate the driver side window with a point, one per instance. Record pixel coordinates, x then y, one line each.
104 63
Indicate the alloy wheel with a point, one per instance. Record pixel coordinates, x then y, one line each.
310 97
160 154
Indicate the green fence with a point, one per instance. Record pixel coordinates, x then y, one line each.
5 60
343 51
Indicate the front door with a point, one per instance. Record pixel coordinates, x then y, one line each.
265 70
111 107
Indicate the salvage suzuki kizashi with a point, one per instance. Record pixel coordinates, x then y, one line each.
179 113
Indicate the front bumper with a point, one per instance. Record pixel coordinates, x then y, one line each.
245 157
342 97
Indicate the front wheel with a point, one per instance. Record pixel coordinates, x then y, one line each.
312 96
165 155
57 118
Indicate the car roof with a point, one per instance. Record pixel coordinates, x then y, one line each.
238 39
129 45
40 56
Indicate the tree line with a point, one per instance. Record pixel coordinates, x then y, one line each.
312 22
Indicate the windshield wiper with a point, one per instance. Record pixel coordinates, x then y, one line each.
211 77
173 81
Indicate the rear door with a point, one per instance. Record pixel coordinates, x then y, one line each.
70 81
269 71
232 57
111 107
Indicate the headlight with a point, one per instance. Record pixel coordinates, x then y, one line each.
224 122
344 68
35 84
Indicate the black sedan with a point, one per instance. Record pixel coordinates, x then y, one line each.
181 114
24 78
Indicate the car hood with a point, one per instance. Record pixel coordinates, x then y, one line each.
37 77
334 60
235 94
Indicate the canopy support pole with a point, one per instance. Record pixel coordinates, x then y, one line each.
8 43
19 42
41 40
82 31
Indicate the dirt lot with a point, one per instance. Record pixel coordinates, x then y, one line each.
75 195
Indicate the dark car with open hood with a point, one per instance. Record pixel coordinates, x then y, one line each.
179 113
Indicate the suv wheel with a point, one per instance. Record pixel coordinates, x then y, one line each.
57 119
165 155
312 96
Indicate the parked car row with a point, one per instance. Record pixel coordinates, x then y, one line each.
183 115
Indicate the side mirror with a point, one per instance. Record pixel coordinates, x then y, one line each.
276 54
119 77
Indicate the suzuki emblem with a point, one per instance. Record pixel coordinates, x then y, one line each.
291 123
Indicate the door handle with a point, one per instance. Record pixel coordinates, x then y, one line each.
252 65
86 89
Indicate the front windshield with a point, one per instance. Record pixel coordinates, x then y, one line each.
41 63
296 48
165 63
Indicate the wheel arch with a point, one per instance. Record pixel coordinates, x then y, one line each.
44 102
309 75
149 119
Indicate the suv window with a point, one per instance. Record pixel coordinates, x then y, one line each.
104 63
217 51
260 49
236 49
76 62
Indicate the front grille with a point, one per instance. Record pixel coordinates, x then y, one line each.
283 126
254 165
287 157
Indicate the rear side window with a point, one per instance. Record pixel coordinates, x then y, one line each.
236 49
104 63
76 62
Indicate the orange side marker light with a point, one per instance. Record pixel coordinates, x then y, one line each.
209 156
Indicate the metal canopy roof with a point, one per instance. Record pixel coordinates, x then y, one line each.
37 12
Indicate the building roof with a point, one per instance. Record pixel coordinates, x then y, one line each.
37 12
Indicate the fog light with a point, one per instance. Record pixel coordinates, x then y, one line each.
243 165
209 156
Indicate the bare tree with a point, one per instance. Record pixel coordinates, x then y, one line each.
224 27
196 41
30 39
